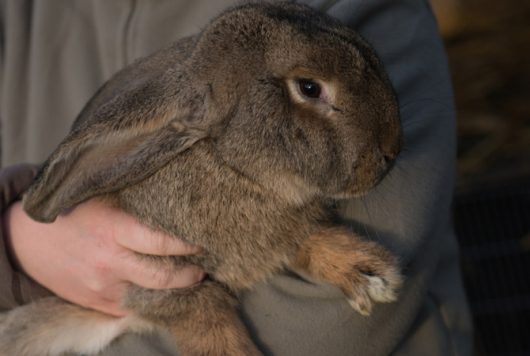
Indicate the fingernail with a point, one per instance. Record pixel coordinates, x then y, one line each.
200 275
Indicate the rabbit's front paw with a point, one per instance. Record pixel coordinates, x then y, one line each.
364 270
373 276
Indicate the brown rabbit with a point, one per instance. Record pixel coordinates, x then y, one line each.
238 139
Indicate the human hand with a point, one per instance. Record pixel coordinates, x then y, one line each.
88 256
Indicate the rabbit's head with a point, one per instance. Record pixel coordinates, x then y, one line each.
287 96
310 105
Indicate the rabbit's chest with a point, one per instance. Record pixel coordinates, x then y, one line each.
247 235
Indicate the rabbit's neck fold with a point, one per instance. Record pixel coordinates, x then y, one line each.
293 190
285 186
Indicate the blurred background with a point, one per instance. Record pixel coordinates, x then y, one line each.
488 46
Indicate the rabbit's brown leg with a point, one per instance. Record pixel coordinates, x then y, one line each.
202 318
363 270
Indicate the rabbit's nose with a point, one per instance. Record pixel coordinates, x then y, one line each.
390 135
388 159
390 144
388 155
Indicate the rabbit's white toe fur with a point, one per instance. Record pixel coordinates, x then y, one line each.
380 290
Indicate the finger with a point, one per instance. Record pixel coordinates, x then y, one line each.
152 275
141 239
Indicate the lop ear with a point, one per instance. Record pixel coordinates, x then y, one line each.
140 120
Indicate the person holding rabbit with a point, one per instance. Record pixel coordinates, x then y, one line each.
408 212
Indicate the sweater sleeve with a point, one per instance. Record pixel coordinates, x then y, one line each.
15 287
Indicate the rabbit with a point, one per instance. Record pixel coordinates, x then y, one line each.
240 140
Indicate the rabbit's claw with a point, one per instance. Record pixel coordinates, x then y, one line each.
381 284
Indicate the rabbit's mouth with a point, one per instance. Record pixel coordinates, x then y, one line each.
362 191
357 192
365 180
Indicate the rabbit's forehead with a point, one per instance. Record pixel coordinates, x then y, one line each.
321 50
317 60
288 35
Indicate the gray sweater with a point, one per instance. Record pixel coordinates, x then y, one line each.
54 54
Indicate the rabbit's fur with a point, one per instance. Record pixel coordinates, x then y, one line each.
212 140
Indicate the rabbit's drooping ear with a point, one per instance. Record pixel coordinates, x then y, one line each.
141 119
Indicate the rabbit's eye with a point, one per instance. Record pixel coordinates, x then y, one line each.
309 88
